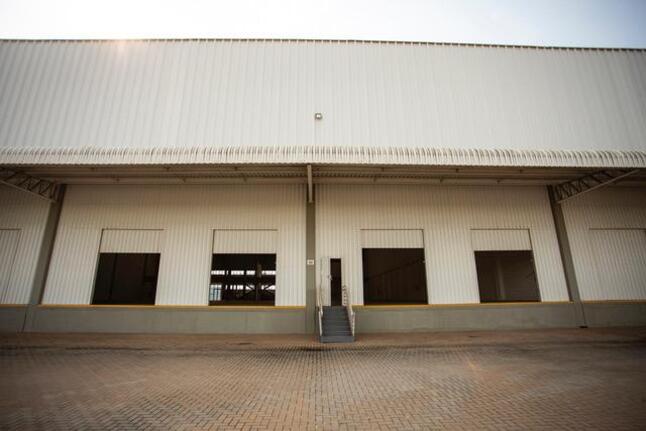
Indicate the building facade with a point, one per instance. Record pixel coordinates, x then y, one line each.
238 186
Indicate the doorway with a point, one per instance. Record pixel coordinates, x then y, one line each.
336 293
394 276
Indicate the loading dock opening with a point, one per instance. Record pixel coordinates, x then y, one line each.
126 279
394 276
243 279
506 276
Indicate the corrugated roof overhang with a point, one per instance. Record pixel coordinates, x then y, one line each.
323 155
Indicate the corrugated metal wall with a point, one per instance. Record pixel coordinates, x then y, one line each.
9 240
245 241
392 238
188 216
25 215
500 239
447 215
131 241
607 232
620 256
214 94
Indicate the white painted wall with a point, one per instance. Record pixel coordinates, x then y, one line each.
500 239
131 241
245 241
607 232
447 215
188 216
392 238
9 240
25 215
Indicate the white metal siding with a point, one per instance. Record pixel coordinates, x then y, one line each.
210 101
8 246
500 239
188 215
590 218
392 238
131 241
620 256
27 214
447 215
245 241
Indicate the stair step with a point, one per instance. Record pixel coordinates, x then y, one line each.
337 339
337 328
336 325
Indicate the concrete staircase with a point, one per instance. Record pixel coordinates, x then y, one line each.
336 326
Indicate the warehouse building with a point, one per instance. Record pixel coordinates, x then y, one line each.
330 187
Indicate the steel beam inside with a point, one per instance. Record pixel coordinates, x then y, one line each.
587 183
42 188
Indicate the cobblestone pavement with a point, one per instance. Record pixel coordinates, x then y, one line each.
517 380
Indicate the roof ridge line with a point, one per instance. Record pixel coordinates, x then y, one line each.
316 40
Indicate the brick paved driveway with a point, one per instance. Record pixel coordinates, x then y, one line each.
524 380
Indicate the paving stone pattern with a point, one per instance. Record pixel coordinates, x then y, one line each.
589 385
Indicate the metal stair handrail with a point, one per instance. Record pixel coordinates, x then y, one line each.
319 308
346 300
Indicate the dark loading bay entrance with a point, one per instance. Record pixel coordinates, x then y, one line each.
394 276
243 279
126 279
507 276
336 291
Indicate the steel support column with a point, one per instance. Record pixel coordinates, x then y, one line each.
566 258
44 257
310 271
310 185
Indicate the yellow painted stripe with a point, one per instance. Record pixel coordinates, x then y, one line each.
13 305
180 307
498 304
617 301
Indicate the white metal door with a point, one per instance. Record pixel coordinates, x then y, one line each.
621 262
324 280
9 239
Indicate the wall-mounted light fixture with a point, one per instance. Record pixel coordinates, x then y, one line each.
318 116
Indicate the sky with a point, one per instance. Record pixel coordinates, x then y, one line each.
589 23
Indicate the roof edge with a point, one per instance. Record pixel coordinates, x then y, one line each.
91 156
324 41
